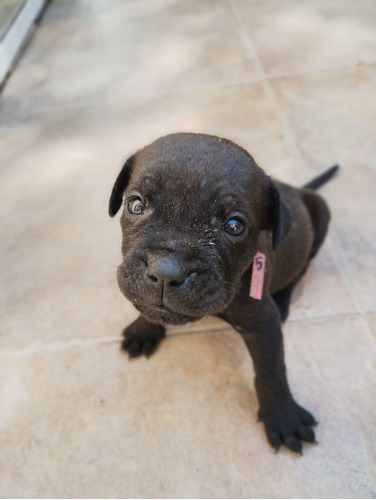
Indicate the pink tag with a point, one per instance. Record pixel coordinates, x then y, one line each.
257 280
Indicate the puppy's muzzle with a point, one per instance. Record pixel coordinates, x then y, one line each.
173 285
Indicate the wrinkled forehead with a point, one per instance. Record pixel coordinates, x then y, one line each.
194 189
194 175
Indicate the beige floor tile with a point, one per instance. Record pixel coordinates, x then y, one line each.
332 116
183 423
297 37
322 291
123 53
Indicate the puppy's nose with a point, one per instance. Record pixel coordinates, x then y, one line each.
167 271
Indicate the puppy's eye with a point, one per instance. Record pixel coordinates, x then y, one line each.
234 227
136 206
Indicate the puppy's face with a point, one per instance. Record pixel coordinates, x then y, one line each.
194 206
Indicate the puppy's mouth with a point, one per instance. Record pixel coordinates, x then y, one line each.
162 309
164 315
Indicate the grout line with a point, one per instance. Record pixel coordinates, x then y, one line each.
225 330
56 347
318 319
287 74
288 134
315 71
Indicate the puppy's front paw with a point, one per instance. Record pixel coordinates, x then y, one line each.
288 424
142 338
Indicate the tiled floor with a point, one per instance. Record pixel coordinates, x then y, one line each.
294 83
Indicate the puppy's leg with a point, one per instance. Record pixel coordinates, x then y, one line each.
282 298
142 337
320 216
285 421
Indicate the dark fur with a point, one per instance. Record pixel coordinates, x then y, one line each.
179 263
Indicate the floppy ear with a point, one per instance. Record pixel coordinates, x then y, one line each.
120 185
275 213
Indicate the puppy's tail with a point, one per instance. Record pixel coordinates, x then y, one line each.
321 179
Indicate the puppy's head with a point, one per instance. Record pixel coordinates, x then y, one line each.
194 206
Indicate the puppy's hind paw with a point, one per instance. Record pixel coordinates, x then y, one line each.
142 338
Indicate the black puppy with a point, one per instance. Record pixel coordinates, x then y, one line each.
207 232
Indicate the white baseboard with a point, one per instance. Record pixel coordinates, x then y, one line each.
17 33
